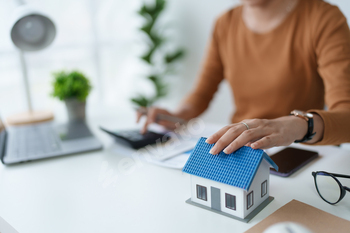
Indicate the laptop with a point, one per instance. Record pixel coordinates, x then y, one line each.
44 140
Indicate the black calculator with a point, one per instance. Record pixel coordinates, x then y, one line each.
135 139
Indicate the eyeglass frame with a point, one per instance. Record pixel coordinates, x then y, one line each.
343 188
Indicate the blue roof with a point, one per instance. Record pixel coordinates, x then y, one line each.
237 169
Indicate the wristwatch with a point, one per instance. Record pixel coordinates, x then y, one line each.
309 117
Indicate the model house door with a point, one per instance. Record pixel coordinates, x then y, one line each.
215 199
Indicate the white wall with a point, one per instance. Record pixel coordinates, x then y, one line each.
119 45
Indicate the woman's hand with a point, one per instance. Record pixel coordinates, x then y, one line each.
262 134
152 115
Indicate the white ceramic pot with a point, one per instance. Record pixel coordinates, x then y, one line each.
75 109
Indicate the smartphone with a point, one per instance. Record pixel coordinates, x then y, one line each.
291 160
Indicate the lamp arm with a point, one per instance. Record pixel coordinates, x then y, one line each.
25 79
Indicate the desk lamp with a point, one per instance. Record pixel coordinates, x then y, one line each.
31 30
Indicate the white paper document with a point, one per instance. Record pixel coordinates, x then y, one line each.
176 162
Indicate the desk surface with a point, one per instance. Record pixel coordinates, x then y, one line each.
104 192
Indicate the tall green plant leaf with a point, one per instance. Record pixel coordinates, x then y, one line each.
150 14
171 57
141 101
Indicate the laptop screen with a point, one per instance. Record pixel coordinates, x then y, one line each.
2 139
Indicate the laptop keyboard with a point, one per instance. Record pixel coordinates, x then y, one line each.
33 140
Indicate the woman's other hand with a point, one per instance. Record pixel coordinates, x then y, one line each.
152 115
260 134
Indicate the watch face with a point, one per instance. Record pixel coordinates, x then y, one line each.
302 113
299 112
309 115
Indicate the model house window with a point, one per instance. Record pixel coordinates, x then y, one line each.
230 201
201 192
250 200
263 188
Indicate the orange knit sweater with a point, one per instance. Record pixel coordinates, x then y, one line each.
302 64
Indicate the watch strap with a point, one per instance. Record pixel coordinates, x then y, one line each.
310 128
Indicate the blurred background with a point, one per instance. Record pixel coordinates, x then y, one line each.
101 39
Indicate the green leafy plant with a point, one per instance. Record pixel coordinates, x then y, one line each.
68 85
155 44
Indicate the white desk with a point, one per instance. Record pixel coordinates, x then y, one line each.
76 194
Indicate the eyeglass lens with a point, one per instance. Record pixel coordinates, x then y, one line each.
328 187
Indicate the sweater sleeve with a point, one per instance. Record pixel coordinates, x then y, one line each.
210 77
332 48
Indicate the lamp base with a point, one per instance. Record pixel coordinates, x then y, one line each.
32 117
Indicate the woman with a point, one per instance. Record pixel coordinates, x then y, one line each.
277 56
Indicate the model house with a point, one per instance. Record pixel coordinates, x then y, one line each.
235 185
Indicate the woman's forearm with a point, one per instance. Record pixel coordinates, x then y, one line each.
186 111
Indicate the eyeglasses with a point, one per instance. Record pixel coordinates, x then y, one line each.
328 186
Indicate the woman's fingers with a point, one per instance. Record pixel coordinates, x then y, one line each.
216 136
139 113
138 116
244 138
230 135
151 118
265 142
248 144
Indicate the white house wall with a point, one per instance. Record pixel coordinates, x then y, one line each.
224 188
241 195
262 174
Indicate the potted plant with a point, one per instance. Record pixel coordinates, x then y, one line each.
73 88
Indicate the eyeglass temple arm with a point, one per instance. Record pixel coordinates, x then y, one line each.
334 174
340 175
